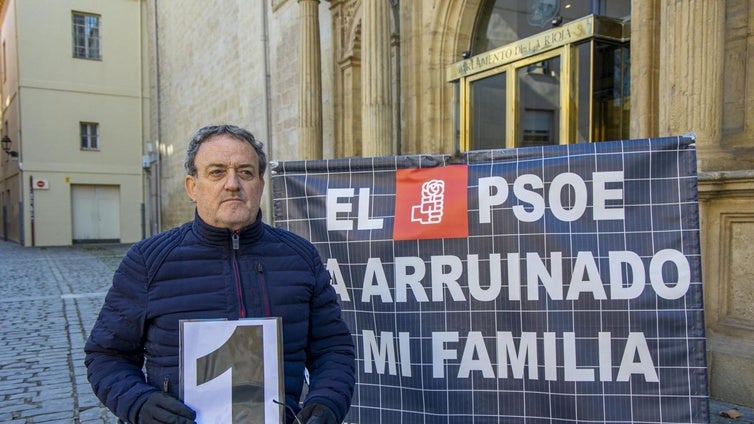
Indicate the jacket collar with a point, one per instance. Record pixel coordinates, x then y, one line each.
222 236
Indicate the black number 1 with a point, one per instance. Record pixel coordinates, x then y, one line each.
243 354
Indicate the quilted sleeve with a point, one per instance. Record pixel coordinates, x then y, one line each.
330 353
114 349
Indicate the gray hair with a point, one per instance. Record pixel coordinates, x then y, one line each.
205 133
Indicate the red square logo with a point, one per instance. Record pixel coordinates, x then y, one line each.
431 203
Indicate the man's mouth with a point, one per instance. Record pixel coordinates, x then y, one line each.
232 199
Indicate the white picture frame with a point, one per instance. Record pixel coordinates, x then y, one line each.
231 371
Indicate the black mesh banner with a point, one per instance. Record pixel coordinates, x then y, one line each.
554 284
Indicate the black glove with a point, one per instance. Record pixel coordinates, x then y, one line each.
161 408
316 413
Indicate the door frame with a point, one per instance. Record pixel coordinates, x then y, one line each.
560 41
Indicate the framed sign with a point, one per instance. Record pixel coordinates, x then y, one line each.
231 371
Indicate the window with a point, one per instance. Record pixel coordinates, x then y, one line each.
501 22
86 36
89 136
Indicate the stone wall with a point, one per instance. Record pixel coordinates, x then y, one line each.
236 65
691 73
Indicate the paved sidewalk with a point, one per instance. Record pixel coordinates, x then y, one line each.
716 407
49 299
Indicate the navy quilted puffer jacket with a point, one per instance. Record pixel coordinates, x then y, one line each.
197 271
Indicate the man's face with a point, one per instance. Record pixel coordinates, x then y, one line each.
227 188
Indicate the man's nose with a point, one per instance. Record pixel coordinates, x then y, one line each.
232 182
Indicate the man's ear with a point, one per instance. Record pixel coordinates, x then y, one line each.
190 185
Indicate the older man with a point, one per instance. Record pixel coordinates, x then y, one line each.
226 263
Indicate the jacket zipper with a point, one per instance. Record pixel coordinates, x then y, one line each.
263 283
239 289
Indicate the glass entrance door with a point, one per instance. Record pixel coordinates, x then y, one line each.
569 84
517 106
487 117
538 105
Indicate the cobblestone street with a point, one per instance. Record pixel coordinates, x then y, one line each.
50 298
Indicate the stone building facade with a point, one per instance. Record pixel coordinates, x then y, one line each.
340 78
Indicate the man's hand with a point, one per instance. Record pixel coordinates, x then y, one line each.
316 413
161 408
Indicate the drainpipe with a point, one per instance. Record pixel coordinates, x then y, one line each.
267 102
158 148
31 208
19 121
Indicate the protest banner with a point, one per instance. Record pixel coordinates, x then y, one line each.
546 284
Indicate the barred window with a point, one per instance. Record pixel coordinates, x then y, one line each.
89 135
86 36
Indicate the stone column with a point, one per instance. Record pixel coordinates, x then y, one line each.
645 45
377 99
692 57
310 81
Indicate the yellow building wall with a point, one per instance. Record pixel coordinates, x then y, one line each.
47 94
